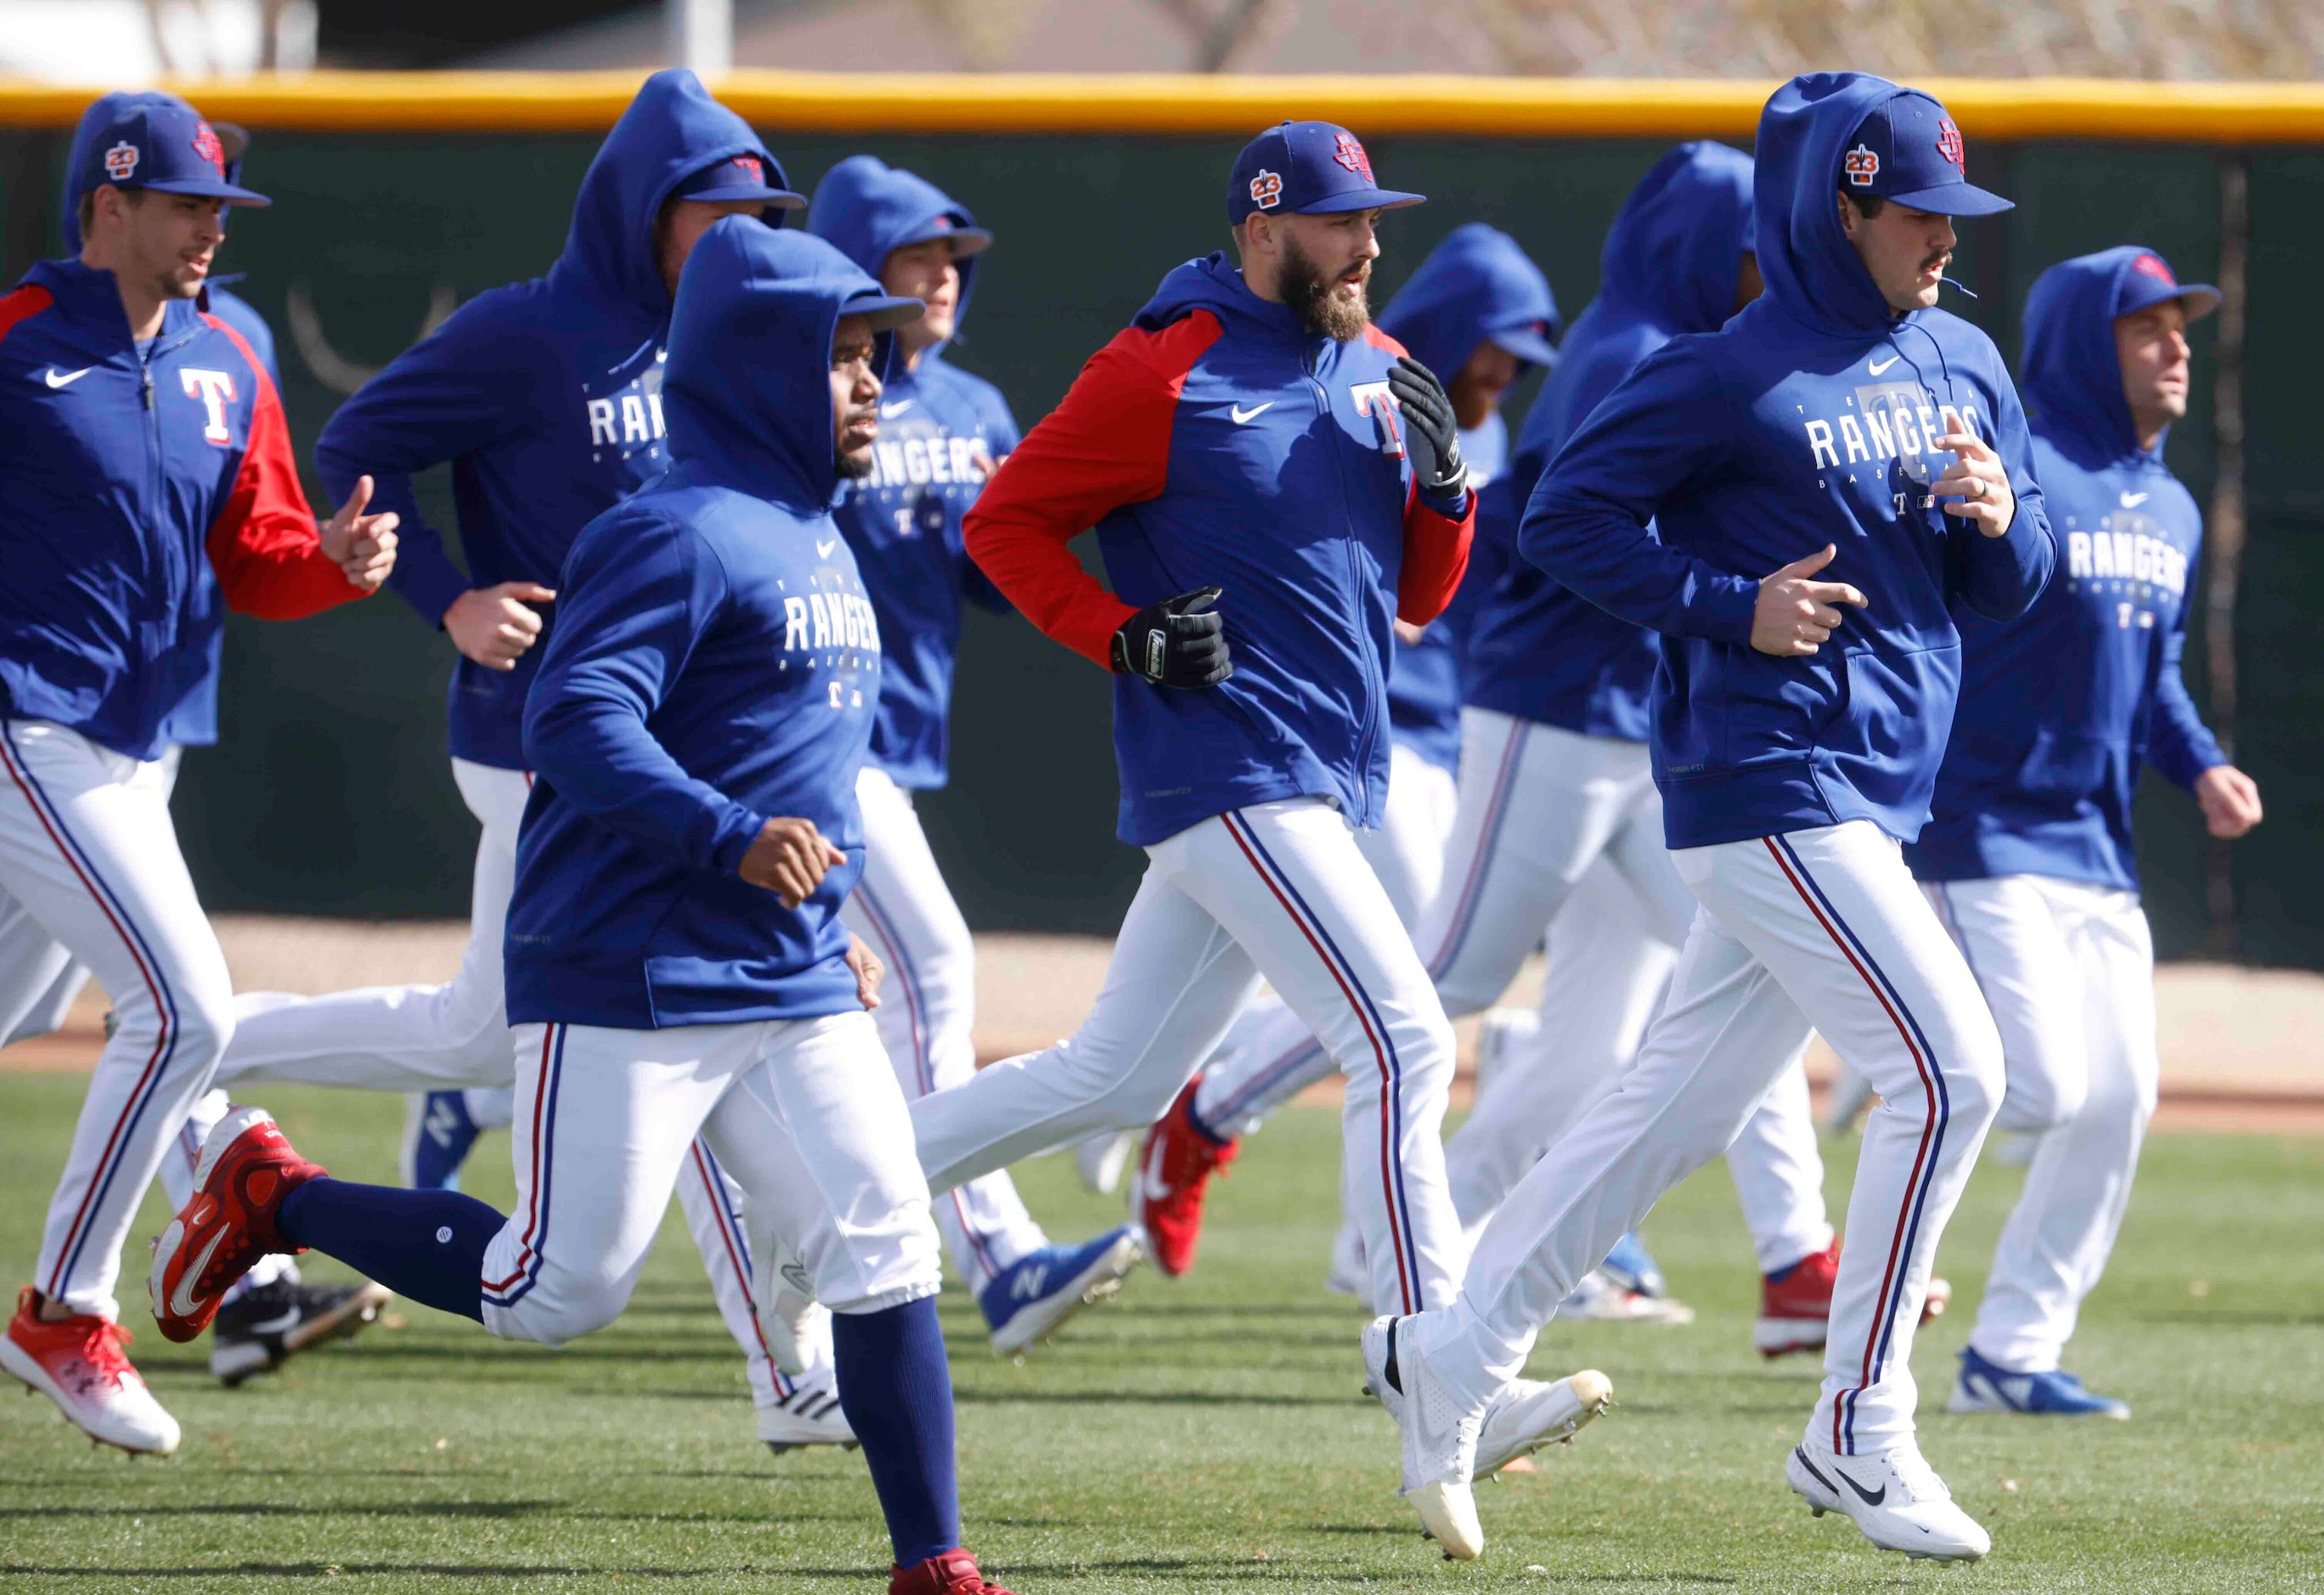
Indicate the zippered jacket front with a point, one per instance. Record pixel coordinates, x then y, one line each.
142 493
1215 442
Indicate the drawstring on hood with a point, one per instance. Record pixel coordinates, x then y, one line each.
670 131
868 209
1812 273
1475 285
747 387
1674 253
2072 371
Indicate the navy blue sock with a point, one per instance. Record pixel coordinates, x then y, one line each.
428 1246
896 1389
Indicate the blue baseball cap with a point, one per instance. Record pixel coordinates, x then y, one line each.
166 147
1909 151
1308 168
2149 281
966 237
740 177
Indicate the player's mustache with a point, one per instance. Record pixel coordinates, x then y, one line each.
1937 262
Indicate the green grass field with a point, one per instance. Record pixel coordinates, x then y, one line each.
1199 1434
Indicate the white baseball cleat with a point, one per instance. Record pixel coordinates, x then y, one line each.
1894 1496
809 1416
1099 1160
1440 1438
77 1363
1530 1414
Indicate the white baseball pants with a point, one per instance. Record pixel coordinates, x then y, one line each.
1821 928
1269 1056
927 1011
2068 969
804 1115
88 856
1279 890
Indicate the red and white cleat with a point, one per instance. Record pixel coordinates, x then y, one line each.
245 1170
1795 1312
77 1363
953 1573
1174 1168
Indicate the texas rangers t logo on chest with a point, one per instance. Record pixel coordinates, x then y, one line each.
1375 400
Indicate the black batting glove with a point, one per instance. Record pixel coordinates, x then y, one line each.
1431 434
1178 642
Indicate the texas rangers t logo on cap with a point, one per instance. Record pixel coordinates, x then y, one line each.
1948 144
206 145
1861 166
1350 153
753 165
2153 266
1266 191
121 161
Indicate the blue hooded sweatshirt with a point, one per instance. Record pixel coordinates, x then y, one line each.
544 396
1216 442
942 431
1670 267
1475 284
717 665
2061 706
229 307
1808 419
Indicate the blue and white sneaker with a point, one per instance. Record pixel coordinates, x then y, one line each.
1634 1268
1028 1299
1987 1387
438 1134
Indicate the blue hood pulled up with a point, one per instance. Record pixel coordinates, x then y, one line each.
670 131
1670 257
2071 374
748 387
1812 273
1475 284
868 209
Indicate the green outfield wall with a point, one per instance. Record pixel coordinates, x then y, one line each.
330 793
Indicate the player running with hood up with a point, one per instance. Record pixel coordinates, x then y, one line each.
2027 855
1478 308
544 396
677 966
149 486
941 432
1829 475
1273 484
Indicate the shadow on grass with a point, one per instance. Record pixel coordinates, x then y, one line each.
1148 1399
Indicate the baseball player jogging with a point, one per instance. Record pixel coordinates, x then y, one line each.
150 484
2027 854
1479 309
545 398
676 966
1829 476
1243 450
943 431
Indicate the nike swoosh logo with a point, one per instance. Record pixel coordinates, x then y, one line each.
2131 501
181 1301
890 411
277 1325
823 550
66 379
1243 417
1878 366
1869 1497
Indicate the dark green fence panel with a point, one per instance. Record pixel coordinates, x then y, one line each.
330 793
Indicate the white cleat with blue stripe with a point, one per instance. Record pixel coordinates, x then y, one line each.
1440 1438
1894 1496
806 1411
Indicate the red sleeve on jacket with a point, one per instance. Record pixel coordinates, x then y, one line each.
264 545
1107 445
25 302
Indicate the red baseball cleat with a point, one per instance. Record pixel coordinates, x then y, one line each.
1174 1167
246 1168
77 1363
951 1573
1794 1312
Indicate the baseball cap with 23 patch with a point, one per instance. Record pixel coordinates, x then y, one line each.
1910 150
163 145
1309 169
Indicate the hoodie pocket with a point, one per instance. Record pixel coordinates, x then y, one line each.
1780 710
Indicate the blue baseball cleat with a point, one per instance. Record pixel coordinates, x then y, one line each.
1987 1387
438 1133
1634 1268
1028 1299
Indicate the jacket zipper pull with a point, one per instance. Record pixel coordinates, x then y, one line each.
145 384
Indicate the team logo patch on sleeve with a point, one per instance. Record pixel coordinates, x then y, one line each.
1266 189
1861 165
206 145
1350 153
1948 144
121 161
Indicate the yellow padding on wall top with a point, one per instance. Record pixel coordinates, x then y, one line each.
1169 104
